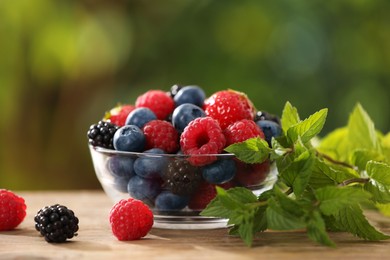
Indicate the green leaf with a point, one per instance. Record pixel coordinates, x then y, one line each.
384 209
253 150
280 219
289 117
316 230
335 144
385 141
351 218
379 183
227 201
380 172
309 127
332 199
361 157
298 172
335 172
361 131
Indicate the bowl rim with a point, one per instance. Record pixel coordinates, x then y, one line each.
103 150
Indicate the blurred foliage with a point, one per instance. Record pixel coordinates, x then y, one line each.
64 63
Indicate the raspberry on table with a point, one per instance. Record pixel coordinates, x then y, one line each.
242 130
56 223
130 219
229 106
102 134
161 134
202 136
158 101
12 210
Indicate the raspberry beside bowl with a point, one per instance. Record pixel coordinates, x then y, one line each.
175 190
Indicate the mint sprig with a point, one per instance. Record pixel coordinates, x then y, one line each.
321 186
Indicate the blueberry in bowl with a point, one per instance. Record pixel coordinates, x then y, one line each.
171 153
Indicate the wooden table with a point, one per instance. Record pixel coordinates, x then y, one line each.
95 240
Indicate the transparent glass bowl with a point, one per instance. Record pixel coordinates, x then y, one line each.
149 177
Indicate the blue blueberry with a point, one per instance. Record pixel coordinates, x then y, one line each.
143 189
220 171
184 114
150 165
270 129
129 138
121 168
140 116
167 201
190 94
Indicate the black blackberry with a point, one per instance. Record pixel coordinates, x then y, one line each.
182 178
56 223
101 134
264 115
174 89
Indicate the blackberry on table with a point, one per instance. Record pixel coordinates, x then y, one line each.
101 134
182 178
56 223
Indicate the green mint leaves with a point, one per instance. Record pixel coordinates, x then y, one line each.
320 186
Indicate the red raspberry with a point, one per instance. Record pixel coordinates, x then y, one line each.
229 106
161 134
130 219
202 136
118 114
158 101
242 130
12 210
251 174
205 193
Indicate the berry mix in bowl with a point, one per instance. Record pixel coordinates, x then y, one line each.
168 151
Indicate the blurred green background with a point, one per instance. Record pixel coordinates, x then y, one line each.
64 63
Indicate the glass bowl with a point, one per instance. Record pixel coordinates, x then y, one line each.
173 186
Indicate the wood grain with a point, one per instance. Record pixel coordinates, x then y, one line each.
95 240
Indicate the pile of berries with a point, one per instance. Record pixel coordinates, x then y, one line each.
182 121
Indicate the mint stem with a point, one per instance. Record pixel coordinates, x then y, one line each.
330 159
354 180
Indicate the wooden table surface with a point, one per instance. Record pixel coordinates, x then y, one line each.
95 240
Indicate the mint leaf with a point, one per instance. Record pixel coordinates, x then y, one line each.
335 144
384 208
227 201
309 127
280 219
297 175
361 157
289 117
335 172
240 206
380 172
379 183
333 199
361 130
284 213
352 219
316 230
253 150
385 141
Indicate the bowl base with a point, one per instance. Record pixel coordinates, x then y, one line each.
182 222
